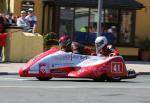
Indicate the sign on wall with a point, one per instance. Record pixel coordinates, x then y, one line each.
27 4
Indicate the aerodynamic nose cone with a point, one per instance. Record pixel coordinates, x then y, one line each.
23 71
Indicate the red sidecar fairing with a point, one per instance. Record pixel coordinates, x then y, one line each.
54 63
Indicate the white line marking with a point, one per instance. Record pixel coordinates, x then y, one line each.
79 87
12 79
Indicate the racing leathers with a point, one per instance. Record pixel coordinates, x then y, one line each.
109 50
77 48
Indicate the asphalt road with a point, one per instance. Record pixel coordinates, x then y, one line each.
14 89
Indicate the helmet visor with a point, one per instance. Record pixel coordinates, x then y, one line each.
61 44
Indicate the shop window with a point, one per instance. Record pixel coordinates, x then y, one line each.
66 21
27 4
111 16
81 23
86 21
126 27
109 21
81 19
93 20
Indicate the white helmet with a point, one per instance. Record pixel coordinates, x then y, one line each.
100 42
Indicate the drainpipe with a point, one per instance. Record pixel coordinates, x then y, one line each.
8 6
43 17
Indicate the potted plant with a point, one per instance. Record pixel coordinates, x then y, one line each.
145 49
50 39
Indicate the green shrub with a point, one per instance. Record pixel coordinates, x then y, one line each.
145 43
50 39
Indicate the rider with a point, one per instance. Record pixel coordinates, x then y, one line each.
66 44
104 48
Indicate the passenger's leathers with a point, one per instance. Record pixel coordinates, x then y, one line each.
77 48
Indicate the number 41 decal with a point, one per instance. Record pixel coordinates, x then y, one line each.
116 67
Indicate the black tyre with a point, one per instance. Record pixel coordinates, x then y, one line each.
100 79
114 79
44 78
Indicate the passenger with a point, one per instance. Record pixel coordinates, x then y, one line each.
66 44
104 48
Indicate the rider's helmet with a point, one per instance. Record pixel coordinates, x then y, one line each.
64 41
100 42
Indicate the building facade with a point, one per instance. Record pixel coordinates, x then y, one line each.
130 18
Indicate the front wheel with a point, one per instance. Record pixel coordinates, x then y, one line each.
102 78
44 78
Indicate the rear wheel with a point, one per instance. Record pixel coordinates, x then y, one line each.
114 79
44 78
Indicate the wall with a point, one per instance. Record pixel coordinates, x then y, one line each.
22 46
15 7
38 12
143 20
2 6
12 6
46 19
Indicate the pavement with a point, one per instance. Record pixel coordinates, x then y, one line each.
140 67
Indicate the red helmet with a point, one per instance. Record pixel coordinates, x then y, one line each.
64 41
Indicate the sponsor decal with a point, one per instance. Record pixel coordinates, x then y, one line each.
80 71
71 75
63 57
53 65
33 72
82 57
57 65
43 68
116 67
58 71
